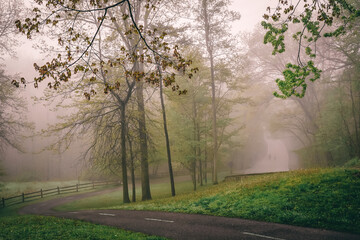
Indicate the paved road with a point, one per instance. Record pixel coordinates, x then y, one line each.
184 226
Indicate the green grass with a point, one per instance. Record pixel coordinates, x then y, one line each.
39 227
13 226
320 198
158 191
12 210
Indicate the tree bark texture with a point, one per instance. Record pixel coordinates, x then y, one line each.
132 166
145 180
126 198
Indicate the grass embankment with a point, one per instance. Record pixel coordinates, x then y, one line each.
320 198
13 226
38 227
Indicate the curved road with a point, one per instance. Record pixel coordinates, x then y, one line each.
184 226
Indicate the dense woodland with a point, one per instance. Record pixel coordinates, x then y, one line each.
143 87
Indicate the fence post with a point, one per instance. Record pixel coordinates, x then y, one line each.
58 190
23 197
93 184
77 187
3 202
41 193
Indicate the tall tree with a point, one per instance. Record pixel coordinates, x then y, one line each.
12 107
167 140
339 127
214 18
189 119
130 21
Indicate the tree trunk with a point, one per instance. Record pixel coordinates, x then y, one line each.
195 147
131 45
132 170
205 164
209 48
123 156
213 103
145 180
197 140
193 174
199 155
166 135
205 154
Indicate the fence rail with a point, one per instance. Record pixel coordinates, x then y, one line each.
6 202
241 176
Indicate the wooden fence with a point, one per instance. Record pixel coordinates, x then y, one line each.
241 176
5 202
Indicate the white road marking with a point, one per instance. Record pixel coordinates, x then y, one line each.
107 214
263 236
158 220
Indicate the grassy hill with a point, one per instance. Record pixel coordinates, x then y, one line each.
320 198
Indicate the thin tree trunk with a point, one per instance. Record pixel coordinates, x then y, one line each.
215 178
205 154
123 156
195 148
199 151
172 183
193 174
132 170
209 48
205 163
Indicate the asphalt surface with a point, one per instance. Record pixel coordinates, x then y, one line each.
184 226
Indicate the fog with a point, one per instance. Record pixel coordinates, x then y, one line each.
275 159
72 137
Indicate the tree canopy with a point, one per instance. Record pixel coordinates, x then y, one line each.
318 18
66 19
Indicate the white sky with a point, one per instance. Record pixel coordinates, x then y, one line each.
251 12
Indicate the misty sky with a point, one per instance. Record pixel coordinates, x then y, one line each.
251 14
